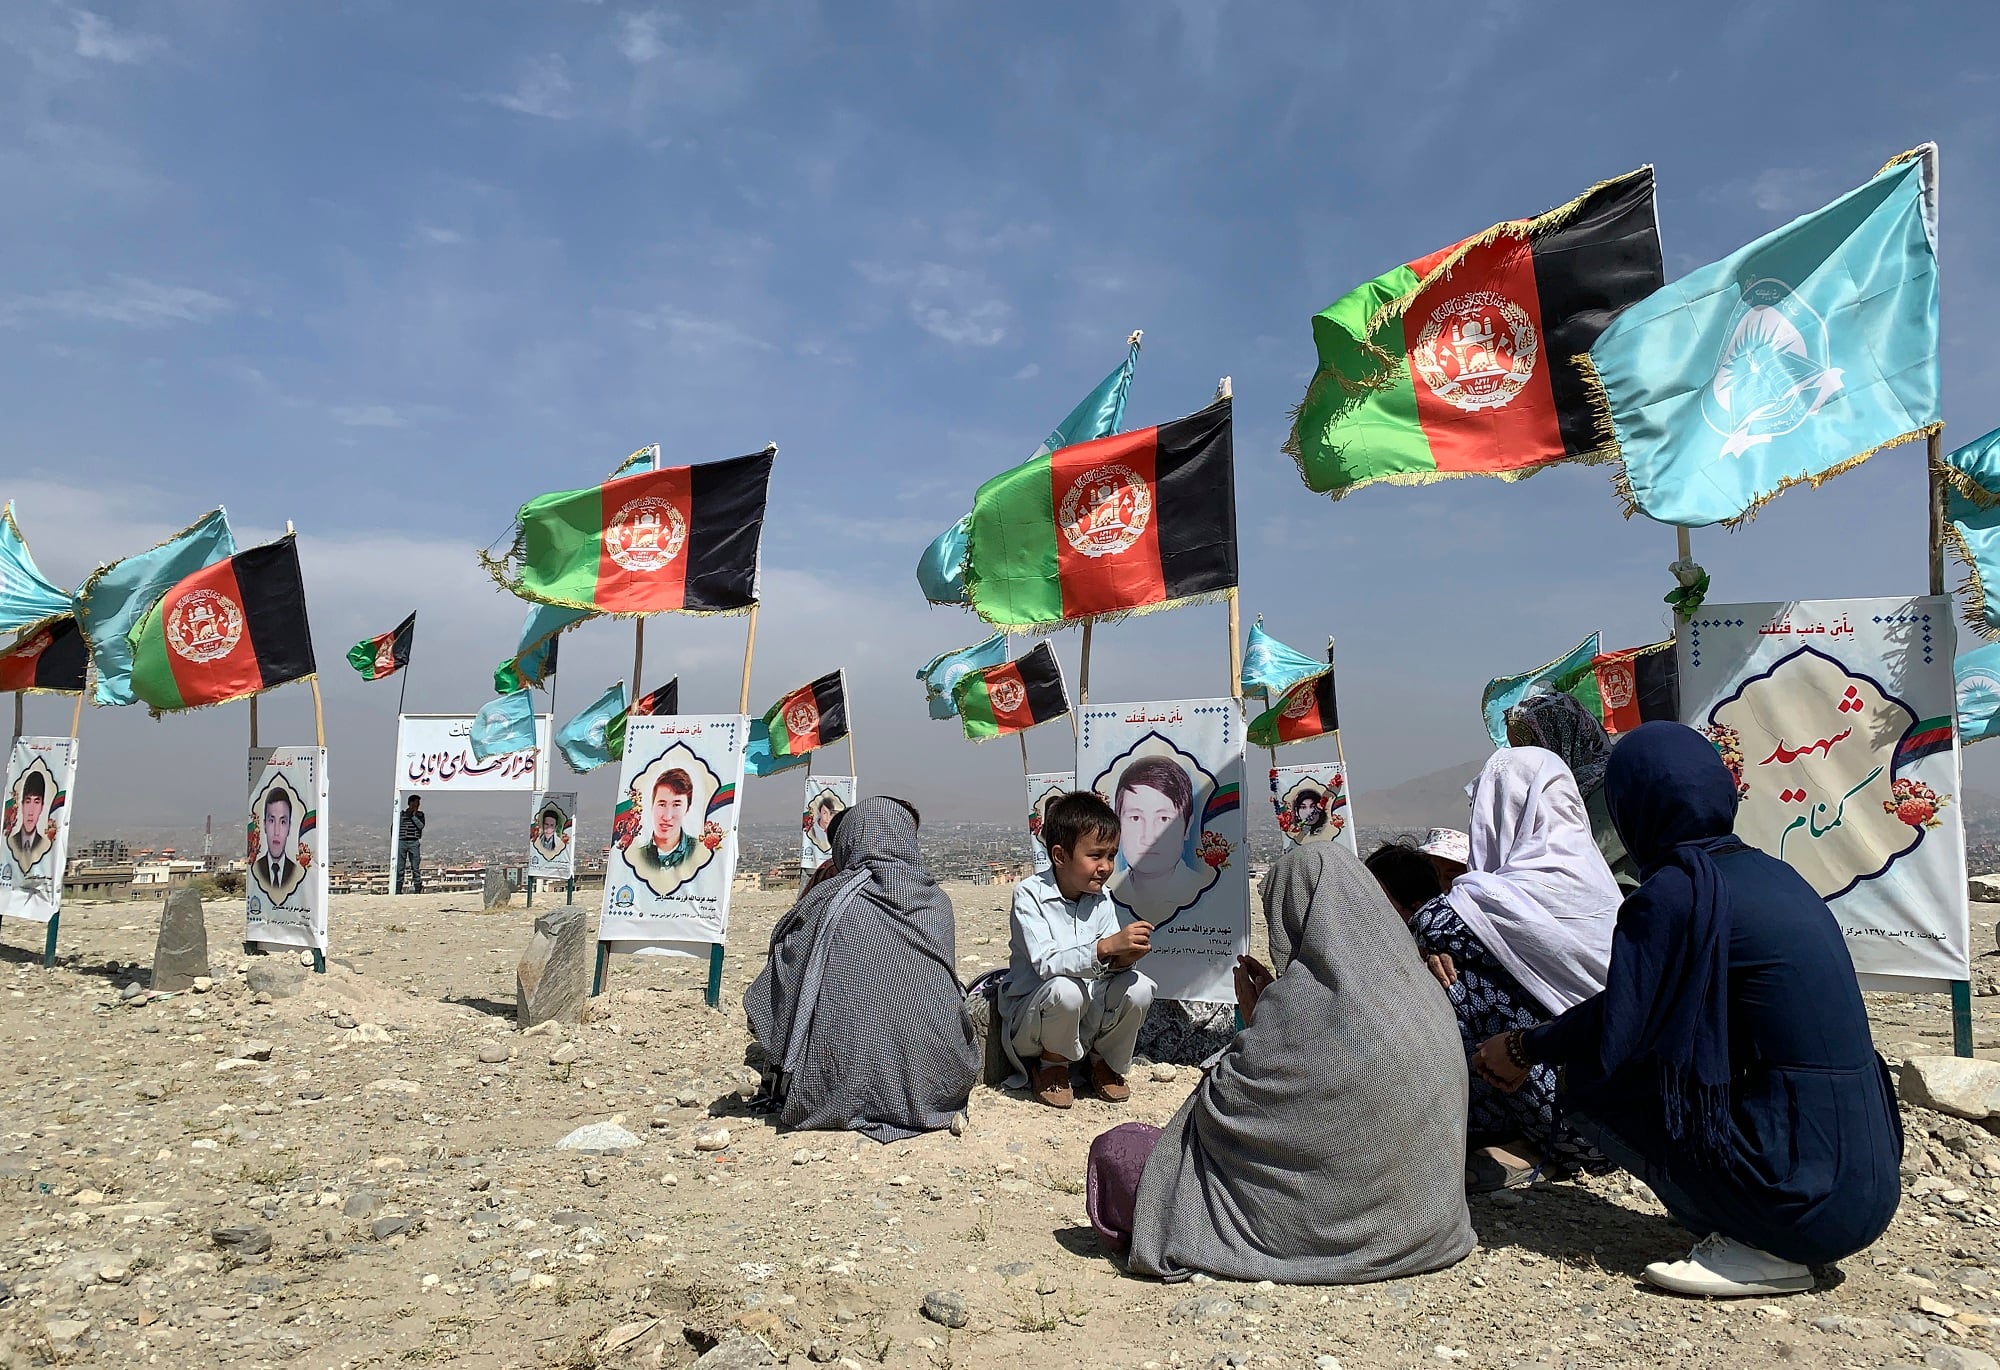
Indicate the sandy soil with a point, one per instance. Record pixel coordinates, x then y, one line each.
418 1210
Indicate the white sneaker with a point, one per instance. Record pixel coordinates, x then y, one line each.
1721 1268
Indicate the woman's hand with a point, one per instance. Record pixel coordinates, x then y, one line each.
1441 966
1499 1062
1253 977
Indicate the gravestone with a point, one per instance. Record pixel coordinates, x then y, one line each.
181 953
553 978
498 895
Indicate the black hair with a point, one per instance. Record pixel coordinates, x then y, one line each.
907 807
1072 817
34 787
833 825
1405 874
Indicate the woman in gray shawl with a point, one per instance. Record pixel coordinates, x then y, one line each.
858 1006
1327 1144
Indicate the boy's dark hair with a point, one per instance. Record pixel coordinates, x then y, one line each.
1072 817
908 808
1405 874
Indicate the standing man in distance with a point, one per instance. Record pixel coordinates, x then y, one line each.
410 845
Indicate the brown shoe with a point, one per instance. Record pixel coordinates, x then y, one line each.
1050 1082
1108 1083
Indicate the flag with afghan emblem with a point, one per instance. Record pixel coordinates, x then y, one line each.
809 717
380 657
1011 697
110 603
49 659
663 701
1138 521
1636 685
1305 711
1462 362
26 596
679 540
946 669
758 756
534 659
228 631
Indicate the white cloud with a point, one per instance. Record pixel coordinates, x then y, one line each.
1028 372
126 300
440 237
100 40
698 336
947 302
382 415
640 36
543 91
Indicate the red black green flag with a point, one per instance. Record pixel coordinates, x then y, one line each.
378 658
1011 697
679 540
809 717
1306 710
228 631
663 701
50 658
1633 686
1117 525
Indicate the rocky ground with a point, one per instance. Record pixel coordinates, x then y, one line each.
364 1169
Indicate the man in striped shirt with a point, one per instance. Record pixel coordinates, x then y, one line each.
410 846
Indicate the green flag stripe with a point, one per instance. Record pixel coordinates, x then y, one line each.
152 672
1011 552
563 532
1340 407
975 707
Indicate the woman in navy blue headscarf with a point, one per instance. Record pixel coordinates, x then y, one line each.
1727 1062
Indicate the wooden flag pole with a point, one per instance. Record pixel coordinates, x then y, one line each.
319 715
749 654
1083 674
1235 645
1022 738
850 755
76 714
253 723
638 658
1961 990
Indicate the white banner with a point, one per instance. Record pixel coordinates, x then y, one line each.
1310 803
1835 717
1173 771
673 835
552 836
1042 787
826 796
434 754
285 885
41 771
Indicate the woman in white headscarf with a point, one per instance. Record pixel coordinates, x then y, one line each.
1526 933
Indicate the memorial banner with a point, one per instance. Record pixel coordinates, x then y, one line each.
827 796
1044 786
552 836
1835 717
673 833
34 821
1311 805
285 855
1173 772
434 752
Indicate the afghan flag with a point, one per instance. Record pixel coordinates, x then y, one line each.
1305 711
50 659
228 631
1011 697
1462 362
1633 686
679 540
534 659
809 717
1136 521
378 658
665 700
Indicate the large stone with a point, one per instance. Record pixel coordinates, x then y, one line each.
180 956
1952 1084
278 976
498 895
553 978
1984 889
596 1137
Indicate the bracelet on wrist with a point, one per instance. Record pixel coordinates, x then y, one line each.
1515 1051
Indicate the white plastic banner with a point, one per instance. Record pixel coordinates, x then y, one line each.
1836 719
1173 772
673 834
41 771
826 797
1310 803
552 836
285 885
434 753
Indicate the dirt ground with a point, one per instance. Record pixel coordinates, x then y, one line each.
340 1179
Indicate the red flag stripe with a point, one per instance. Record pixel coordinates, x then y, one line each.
1107 520
642 557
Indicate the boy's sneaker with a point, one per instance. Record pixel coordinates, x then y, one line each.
1109 1084
1050 1082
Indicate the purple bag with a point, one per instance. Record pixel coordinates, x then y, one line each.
1117 1160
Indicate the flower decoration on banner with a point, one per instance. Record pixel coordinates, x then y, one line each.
1286 822
255 842
305 856
1729 745
625 824
711 834
1687 596
1915 803
1214 850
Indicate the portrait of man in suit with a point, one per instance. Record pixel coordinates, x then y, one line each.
276 869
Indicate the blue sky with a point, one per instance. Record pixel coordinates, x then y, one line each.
387 270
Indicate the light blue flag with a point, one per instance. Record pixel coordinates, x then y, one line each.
26 597
645 459
941 569
534 659
1270 667
942 672
117 596
597 735
504 725
1978 673
1784 363
1972 504
758 758
1504 693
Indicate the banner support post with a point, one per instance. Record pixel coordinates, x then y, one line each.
714 992
749 653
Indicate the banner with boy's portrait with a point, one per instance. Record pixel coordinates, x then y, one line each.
34 827
827 797
1310 803
1173 773
1043 788
285 881
673 832
552 835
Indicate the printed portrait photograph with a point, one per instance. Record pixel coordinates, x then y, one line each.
822 807
33 816
551 833
278 860
1309 812
1159 793
673 841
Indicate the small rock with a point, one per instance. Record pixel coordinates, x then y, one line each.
821 1351
959 1123
1166 1074
150 1089
132 991
662 1116
256 1049
565 1054
595 1179
261 998
346 1022
492 1053
394 1086
277 978
1326 1363
373 1033
802 1157
116 1272
242 1241
711 1138
65 1330
384 1228
598 1137
945 1307
1949 1084
360 1205
1958 1358
738 1353
203 984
